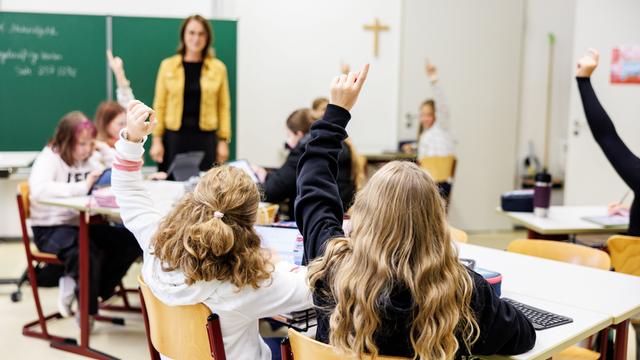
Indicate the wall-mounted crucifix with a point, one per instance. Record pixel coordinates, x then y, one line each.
377 27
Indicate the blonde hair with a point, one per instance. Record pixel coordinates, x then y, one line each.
358 176
399 238
207 247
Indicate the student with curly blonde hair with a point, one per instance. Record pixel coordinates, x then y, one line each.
206 250
393 285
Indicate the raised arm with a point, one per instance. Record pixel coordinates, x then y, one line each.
124 94
626 164
318 205
442 107
136 207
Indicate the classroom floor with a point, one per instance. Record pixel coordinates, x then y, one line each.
125 342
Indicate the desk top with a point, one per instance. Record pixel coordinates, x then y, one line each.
17 159
614 294
164 194
551 341
564 220
383 156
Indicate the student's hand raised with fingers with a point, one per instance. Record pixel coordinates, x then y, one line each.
137 125
588 63
346 88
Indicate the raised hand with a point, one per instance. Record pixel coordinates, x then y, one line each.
588 63
346 88
137 125
432 71
117 66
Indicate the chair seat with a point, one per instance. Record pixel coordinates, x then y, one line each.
577 353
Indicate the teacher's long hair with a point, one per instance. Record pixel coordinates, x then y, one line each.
399 239
207 51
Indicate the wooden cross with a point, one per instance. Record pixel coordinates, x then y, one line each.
377 27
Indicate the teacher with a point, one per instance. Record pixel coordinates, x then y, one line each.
192 100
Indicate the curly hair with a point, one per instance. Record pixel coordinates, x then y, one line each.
207 247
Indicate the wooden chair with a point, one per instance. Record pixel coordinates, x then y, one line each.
441 168
459 235
625 254
569 253
300 347
180 332
560 251
267 214
33 257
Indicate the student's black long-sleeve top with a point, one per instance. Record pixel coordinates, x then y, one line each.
626 164
280 185
503 329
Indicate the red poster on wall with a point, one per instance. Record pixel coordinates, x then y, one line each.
625 64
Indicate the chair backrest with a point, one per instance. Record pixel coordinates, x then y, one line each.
625 254
459 235
441 168
181 332
561 251
267 214
306 348
23 198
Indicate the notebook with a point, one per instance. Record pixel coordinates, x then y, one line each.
609 220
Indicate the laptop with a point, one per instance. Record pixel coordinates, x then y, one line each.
185 165
246 167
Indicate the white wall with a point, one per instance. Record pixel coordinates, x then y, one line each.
288 52
476 47
149 8
544 17
602 25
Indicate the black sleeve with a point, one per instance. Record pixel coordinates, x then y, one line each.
504 330
626 164
318 207
281 184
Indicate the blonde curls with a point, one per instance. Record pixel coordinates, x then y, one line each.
399 239
207 247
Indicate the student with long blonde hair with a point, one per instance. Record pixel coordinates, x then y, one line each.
393 285
206 250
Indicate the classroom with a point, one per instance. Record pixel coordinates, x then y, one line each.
297 179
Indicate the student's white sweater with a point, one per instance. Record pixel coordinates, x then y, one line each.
239 308
51 177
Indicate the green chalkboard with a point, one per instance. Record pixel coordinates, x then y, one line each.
143 43
49 65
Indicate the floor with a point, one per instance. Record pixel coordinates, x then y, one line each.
125 342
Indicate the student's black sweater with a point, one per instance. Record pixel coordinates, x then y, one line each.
503 329
280 184
626 164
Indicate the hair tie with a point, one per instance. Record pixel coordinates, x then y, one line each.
218 215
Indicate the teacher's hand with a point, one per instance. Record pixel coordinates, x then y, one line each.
157 150
222 153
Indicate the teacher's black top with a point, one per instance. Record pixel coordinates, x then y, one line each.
192 95
503 329
626 164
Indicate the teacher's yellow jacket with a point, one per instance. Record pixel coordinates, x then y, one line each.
215 113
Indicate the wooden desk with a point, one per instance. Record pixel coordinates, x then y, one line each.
596 291
562 220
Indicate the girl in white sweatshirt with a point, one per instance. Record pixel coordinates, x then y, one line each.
206 250
66 168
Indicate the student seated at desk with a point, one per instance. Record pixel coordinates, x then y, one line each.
394 285
625 162
65 168
206 249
